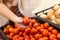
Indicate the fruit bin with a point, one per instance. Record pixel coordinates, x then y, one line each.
39 20
38 14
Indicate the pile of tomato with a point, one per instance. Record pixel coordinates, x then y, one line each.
35 31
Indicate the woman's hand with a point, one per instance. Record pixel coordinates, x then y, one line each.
18 20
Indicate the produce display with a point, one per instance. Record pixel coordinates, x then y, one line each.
36 31
52 15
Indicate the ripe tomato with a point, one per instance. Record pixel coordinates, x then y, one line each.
50 33
38 27
16 37
50 29
26 37
11 29
32 38
45 33
58 36
55 39
24 33
26 21
42 25
36 24
21 38
41 30
11 34
9 26
33 21
41 39
46 25
16 31
33 30
45 38
54 31
20 33
37 36
27 30
52 36
6 31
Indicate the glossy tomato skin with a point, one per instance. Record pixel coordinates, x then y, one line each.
41 39
33 21
6 31
36 24
33 39
46 25
50 28
38 28
11 29
8 26
20 33
55 31
31 36
26 21
58 36
52 36
45 33
27 30
33 31
37 36
26 37
45 38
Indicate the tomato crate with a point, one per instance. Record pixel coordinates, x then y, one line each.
39 20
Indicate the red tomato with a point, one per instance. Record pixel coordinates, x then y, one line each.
49 33
6 31
27 30
11 29
26 21
33 30
12 34
38 27
16 37
33 21
41 39
58 36
21 38
45 38
26 37
42 25
16 31
41 30
45 33
24 33
36 24
46 25
20 33
55 31
9 26
32 38
50 28
55 39
52 36
37 36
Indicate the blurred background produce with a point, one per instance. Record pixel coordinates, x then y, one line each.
52 15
